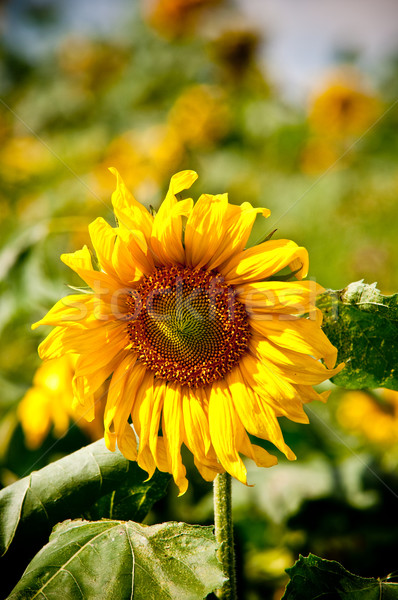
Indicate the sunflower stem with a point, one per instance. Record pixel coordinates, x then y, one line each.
224 534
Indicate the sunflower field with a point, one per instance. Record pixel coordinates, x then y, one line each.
198 311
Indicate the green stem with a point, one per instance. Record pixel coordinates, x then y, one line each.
224 534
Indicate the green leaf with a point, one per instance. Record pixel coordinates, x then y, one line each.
70 486
314 577
363 325
118 559
132 499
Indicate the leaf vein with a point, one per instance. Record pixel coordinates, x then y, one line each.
76 554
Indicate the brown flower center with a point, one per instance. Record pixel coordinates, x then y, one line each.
187 326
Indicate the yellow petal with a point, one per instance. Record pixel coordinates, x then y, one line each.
118 404
156 443
307 393
103 238
92 373
131 258
106 340
205 228
300 335
261 457
162 458
80 261
260 262
278 393
179 182
85 409
166 240
173 433
208 472
256 416
225 430
141 417
196 423
71 310
127 443
295 298
295 367
133 380
236 231
131 215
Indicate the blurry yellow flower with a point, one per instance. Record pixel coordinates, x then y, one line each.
24 156
200 115
175 17
145 157
201 345
343 109
48 403
372 415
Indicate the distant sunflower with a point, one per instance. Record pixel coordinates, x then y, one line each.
49 404
202 343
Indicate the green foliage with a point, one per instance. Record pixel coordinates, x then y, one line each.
70 486
363 325
116 559
312 577
91 482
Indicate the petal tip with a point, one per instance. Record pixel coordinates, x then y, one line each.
114 171
182 181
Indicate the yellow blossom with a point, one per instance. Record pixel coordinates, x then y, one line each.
343 108
373 415
200 115
49 403
202 342
24 156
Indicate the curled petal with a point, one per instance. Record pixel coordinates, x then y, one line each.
131 215
260 262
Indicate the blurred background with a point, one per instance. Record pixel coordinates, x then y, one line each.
285 104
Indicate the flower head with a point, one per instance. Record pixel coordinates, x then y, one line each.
343 108
203 343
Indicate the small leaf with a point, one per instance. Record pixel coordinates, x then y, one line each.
122 559
314 577
363 325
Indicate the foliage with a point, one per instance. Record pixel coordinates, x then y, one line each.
363 325
171 560
313 577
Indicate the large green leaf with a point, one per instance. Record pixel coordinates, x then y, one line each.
363 325
117 560
69 487
314 577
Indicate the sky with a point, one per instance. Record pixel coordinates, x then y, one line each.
303 35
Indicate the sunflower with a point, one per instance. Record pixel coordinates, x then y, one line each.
49 403
372 415
203 343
